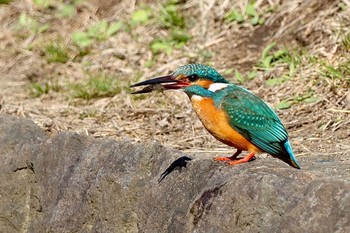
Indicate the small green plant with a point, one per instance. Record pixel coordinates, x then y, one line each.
307 97
43 4
96 87
271 58
341 72
241 78
346 41
177 40
253 15
170 16
91 113
29 24
5 1
67 11
56 52
37 89
161 45
141 16
234 15
249 14
100 31
276 81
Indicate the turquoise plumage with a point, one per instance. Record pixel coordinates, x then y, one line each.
252 118
231 113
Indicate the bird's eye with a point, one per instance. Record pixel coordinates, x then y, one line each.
193 78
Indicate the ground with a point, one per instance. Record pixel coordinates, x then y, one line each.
67 65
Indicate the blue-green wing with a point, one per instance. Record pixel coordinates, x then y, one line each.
253 119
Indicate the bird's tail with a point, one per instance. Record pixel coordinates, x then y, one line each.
291 160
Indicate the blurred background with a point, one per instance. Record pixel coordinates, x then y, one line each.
68 65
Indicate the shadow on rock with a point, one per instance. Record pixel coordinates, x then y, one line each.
178 164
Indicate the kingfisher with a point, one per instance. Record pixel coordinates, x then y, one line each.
231 113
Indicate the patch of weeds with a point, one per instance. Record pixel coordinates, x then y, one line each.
29 24
277 81
97 86
67 11
250 14
56 52
37 89
170 16
159 45
141 16
271 58
308 97
241 78
346 41
5 1
42 4
234 15
341 72
98 32
91 113
177 39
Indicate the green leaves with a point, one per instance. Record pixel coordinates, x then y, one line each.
177 40
82 39
282 58
100 31
114 28
56 52
97 86
141 16
247 76
29 24
234 15
284 104
67 11
170 16
37 89
160 45
250 13
307 97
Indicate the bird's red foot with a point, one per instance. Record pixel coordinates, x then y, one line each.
246 159
231 158
223 159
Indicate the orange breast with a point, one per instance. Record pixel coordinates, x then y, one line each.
216 122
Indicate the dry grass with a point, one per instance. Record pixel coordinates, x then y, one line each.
313 32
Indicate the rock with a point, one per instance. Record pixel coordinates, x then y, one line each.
75 183
20 207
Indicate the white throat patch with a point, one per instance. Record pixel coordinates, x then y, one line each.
217 86
196 98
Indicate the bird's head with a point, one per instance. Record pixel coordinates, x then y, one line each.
183 78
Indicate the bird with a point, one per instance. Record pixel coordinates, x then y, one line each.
232 114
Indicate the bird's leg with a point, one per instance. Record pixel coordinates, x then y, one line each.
233 157
247 158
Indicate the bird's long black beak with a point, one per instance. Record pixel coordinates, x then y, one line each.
161 83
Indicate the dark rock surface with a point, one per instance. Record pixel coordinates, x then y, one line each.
75 183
